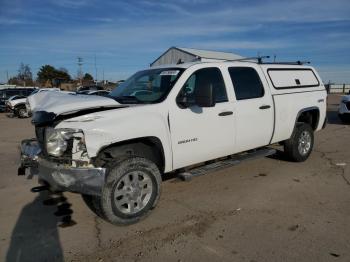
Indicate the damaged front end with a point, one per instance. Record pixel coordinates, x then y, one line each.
59 157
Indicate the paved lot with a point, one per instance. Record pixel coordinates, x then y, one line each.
263 210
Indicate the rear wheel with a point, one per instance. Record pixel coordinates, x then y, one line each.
299 147
131 191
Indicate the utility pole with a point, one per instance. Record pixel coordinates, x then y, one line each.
95 71
274 58
7 76
80 70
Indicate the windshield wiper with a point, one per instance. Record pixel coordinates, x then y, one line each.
128 99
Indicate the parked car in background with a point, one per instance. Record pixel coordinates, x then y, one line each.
83 89
19 106
6 93
344 109
95 93
12 101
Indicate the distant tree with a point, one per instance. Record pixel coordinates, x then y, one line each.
63 75
63 69
24 72
88 77
15 81
24 76
48 73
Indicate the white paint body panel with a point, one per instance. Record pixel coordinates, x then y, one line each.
287 78
63 102
253 126
123 124
213 136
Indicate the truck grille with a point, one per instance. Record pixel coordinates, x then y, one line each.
40 136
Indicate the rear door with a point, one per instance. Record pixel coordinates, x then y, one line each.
253 109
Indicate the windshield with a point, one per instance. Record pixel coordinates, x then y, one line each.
148 86
34 92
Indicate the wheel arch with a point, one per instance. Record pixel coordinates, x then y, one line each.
20 105
149 147
309 115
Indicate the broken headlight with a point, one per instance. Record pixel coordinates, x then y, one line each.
57 140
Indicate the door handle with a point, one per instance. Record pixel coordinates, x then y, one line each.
265 107
226 113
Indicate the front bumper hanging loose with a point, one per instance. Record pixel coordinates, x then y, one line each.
60 177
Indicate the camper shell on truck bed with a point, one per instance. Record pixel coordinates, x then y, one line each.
114 150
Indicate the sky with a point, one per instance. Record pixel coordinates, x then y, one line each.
126 36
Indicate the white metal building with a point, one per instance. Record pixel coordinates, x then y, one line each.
175 54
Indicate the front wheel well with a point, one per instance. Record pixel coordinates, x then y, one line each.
147 147
18 106
309 116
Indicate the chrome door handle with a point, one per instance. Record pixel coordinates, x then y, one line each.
226 113
265 107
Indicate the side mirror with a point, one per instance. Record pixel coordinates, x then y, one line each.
204 96
182 101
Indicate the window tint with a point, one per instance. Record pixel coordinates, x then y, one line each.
246 83
156 83
206 76
10 93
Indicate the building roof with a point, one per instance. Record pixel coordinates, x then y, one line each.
173 54
210 54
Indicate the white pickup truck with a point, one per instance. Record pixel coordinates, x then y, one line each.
114 150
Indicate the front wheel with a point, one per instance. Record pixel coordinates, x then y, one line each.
131 191
299 147
345 118
22 112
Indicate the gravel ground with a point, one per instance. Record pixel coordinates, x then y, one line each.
263 210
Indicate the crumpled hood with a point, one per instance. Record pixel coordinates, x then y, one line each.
62 103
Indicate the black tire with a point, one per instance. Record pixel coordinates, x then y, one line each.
345 118
93 202
22 112
105 206
296 148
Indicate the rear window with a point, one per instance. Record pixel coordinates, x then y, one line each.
246 83
10 93
283 78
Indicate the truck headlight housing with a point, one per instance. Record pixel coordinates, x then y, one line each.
57 140
28 106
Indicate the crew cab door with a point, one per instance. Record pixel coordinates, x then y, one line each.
201 133
253 109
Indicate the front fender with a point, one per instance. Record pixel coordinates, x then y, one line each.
120 125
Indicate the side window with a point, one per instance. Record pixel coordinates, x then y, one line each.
206 76
246 83
10 93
